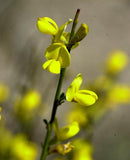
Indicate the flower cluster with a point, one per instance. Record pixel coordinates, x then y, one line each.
56 54
58 58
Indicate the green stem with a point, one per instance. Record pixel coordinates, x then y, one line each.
62 73
74 24
55 104
46 142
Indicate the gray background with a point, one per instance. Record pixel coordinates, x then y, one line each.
109 24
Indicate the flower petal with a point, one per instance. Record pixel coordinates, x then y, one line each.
76 45
52 51
51 22
64 57
58 52
85 97
77 82
61 30
52 66
68 131
47 26
46 64
73 88
70 93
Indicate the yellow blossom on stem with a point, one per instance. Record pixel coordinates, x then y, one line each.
67 132
83 97
47 26
57 57
62 148
61 34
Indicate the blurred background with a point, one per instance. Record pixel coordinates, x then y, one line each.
22 49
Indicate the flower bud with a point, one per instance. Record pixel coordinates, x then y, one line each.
80 34
47 26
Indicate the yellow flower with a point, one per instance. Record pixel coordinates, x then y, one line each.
82 150
31 100
57 57
120 94
47 26
77 114
62 148
61 35
116 62
67 132
0 111
26 106
83 97
23 149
